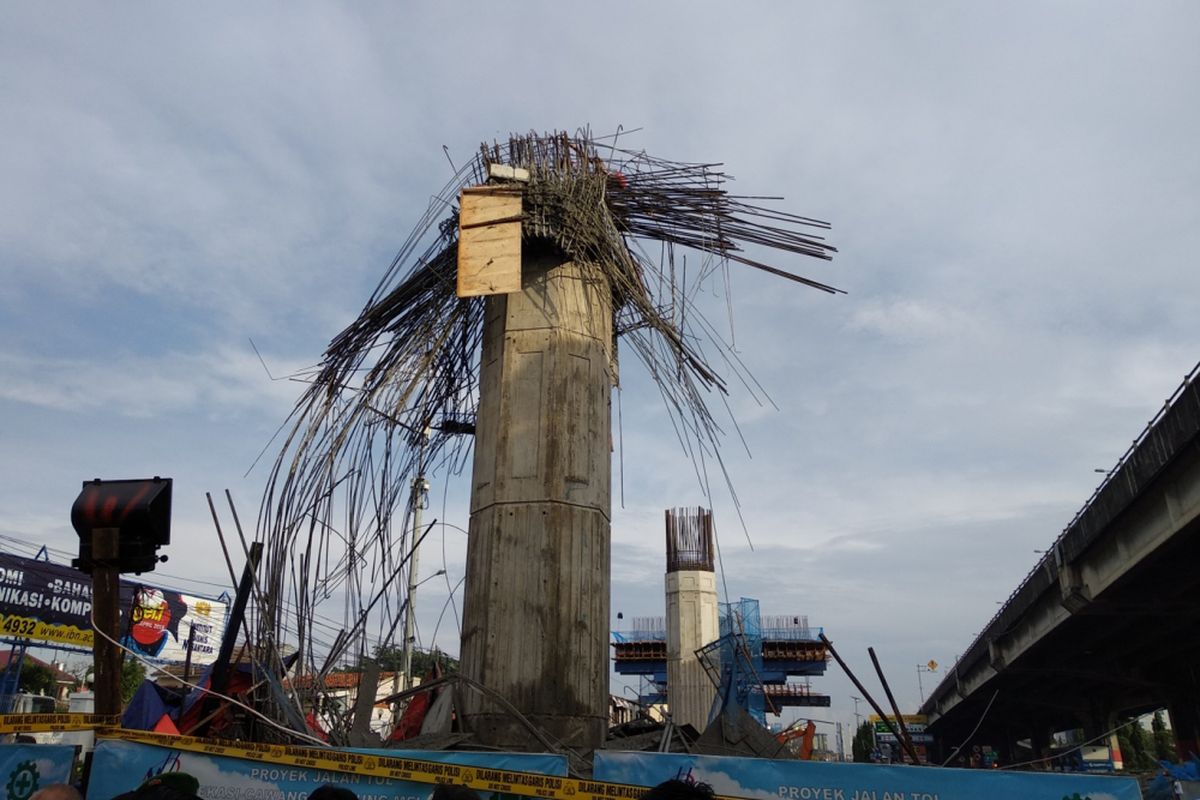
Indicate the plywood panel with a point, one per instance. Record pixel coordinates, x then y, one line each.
489 241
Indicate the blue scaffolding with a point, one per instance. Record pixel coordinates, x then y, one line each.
739 652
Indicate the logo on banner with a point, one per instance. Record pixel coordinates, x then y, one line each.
23 781
150 620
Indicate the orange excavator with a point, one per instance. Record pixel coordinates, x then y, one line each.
804 733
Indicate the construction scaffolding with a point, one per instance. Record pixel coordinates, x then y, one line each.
741 656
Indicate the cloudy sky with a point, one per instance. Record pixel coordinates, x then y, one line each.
1012 189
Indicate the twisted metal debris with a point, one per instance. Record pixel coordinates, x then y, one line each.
398 387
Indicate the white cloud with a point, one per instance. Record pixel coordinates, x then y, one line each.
207 770
907 318
726 785
206 383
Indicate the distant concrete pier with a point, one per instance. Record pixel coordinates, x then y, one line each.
692 620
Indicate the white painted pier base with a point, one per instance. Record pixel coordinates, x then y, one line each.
691 623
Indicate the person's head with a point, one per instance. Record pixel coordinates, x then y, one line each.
449 791
330 792
679 790
180 782
57 791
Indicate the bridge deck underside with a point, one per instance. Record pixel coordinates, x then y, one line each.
1133 648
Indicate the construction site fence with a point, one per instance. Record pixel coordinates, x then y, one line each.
398 768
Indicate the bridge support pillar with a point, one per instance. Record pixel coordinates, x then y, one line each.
1005 747
1185 722
1097 724
1039 740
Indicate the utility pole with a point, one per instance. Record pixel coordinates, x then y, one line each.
930 667
857 716
106 590
420 488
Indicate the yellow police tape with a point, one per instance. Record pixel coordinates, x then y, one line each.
528 784
33 723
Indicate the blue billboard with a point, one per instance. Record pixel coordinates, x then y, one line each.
764 779
119 766
25 768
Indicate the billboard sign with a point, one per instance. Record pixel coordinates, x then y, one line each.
25 768
119 766
910 721
52 603
915 723
763 779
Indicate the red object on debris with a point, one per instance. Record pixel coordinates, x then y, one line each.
166 725
310 719
414 713
193 713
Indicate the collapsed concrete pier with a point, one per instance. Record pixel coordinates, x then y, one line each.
535 618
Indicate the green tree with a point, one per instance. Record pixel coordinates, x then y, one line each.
391 658
1164 738
1135 750
863 742
132 675
36 679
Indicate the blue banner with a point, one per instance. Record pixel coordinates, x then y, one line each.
119 766
25 768
817 780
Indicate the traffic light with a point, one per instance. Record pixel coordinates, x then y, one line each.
139 509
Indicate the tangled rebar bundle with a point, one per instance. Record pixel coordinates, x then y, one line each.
396 389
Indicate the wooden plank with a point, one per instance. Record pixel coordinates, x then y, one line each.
489 241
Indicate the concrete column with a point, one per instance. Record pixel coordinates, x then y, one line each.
1185 722
1097 723
535 614
1005 747
1040 738
691 623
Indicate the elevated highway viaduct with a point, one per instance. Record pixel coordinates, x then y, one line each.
1107 624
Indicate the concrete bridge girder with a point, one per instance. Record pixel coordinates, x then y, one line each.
1090 586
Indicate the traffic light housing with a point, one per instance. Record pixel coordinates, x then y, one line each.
139 509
